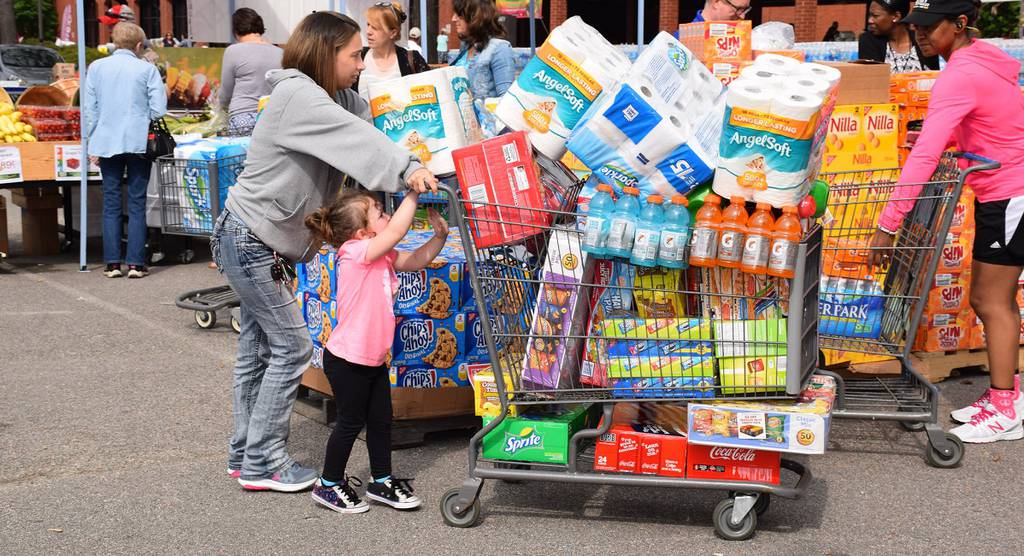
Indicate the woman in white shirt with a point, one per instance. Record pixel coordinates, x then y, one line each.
384 59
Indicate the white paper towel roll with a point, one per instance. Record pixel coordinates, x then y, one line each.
766 77
795 106
827 73
806 84
781 65
749 95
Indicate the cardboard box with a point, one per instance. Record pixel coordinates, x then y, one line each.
714 41
956 254
951 293
944 332
486 402
733 464
429 377
741 375
687 387
499 181
476 342
606 451
438 343
436 291
862 82
408 403
629 450
538 436
62 70
862 137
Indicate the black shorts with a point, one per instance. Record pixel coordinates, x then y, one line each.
1000 235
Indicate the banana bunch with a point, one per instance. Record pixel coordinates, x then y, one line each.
12 129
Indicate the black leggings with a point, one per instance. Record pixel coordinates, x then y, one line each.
363 397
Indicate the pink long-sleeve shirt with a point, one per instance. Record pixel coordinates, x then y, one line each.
977 102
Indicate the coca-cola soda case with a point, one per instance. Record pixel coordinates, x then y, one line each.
733 464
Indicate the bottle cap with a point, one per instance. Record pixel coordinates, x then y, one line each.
631 191
764 206
737 199
605 187
680 200
712 198
789 209
656 199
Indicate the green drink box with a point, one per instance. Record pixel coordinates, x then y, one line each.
538 436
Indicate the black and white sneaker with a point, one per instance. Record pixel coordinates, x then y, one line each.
113 270
396 493
340 497
137 271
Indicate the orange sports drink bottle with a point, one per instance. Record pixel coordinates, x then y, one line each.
785 242
759 240
707 224
734 231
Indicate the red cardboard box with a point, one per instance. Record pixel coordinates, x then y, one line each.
606 453
629 450
650 453
501 188
673 456
733 464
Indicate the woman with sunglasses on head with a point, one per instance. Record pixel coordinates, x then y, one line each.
384 59
976 103
891 41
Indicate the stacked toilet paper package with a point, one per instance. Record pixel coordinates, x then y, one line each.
429 113
772 140
659 129
569 72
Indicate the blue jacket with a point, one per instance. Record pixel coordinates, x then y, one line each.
491 71
122 94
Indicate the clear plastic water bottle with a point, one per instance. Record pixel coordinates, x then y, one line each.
648 232
673 252
622 225
598 220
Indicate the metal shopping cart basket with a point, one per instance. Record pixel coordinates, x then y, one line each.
877 311
546 350
192 194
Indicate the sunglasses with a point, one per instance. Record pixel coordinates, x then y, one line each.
740 12
398 13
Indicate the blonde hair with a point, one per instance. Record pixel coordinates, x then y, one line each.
387 18
338 222
314 44
127 35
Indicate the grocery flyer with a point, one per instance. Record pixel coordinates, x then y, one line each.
67 164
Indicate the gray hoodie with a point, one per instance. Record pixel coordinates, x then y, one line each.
301 149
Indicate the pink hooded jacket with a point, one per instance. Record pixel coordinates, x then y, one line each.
977 103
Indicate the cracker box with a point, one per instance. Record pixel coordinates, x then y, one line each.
421 341
718 41
862 137
692 387
944 332
795 426
963 214
538 436
951 293
504 200
487 403
743 375
429 377
561 315
436 291
733 464
956 252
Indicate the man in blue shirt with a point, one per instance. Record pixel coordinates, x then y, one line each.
721 10
122 94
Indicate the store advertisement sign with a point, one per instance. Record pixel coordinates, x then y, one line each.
520 8
68 162
10 165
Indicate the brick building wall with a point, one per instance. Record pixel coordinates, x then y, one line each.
668 15
849 16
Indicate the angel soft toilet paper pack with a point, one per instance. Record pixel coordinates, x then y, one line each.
659 129
569 72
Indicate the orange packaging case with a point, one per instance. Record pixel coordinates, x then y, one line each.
956 252
733 464
726 71
912 82
718 41
963 214
950 294
944 332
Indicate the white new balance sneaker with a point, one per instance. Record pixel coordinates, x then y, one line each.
965 414
989 425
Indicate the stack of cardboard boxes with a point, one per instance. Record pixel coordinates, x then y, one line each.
723 46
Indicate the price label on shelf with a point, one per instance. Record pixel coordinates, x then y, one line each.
68 162
10 165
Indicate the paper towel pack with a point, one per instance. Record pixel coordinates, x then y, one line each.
570 71
659 129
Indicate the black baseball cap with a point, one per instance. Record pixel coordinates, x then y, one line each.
930 12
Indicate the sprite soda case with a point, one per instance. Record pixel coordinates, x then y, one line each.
538 436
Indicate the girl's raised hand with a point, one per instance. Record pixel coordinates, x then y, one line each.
438 223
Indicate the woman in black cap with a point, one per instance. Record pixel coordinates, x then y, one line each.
891 41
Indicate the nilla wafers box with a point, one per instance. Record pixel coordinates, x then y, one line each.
862 137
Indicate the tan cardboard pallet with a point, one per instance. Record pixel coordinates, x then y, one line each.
936 367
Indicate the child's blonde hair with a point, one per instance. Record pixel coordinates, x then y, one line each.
127 35
338 222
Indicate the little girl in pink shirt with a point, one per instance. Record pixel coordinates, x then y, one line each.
356 351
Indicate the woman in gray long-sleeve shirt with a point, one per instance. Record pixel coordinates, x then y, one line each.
245 66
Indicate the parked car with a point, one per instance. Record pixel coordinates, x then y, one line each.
28 64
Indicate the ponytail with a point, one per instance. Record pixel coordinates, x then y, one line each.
338 222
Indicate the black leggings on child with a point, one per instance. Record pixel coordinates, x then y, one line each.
363 397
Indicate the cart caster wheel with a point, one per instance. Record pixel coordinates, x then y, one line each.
235 325
935 458
726 530
206 319
186 256
467 518
156 258
761 506
911 426
65 246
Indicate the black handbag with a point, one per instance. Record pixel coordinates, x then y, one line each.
159 141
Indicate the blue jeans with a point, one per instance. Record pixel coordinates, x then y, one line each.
274 349
113 170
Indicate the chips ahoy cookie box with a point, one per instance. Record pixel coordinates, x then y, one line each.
436 291
425 341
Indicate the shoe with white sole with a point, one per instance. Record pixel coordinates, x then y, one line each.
340 497
234 473
291 479
989 425
965 414
396 493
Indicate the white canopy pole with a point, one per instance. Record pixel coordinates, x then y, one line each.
83 217
423 29
640 22
533 28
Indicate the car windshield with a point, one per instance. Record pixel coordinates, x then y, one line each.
29 57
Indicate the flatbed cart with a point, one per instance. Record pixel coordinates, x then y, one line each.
190 203
516 294
855 201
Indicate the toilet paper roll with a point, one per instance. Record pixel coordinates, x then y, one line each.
659 142
439 78
805 84
827 73
764 76
781 65
795 106
749 95
455 128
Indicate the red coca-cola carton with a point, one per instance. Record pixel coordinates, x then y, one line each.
606 453
673 456
501 189
650 453
733 464
629 450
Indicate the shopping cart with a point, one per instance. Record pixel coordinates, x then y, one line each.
888 303
545 351
192 194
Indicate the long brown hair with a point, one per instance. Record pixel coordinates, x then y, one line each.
314 44
481 17
338 222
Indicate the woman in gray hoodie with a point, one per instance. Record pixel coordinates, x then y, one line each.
313 132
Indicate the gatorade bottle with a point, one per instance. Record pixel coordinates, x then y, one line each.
622 225
596 232
674 250
648 232
707 224
785 240
759 240
734 231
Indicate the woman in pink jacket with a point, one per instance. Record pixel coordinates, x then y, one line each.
976 102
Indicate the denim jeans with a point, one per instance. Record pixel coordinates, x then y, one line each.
113 170
274 349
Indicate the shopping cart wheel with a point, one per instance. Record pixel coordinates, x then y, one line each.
206 319
936 458
186 256
761 505
912 426
235 325
451 518
724 526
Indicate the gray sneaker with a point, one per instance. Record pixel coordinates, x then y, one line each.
291 479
